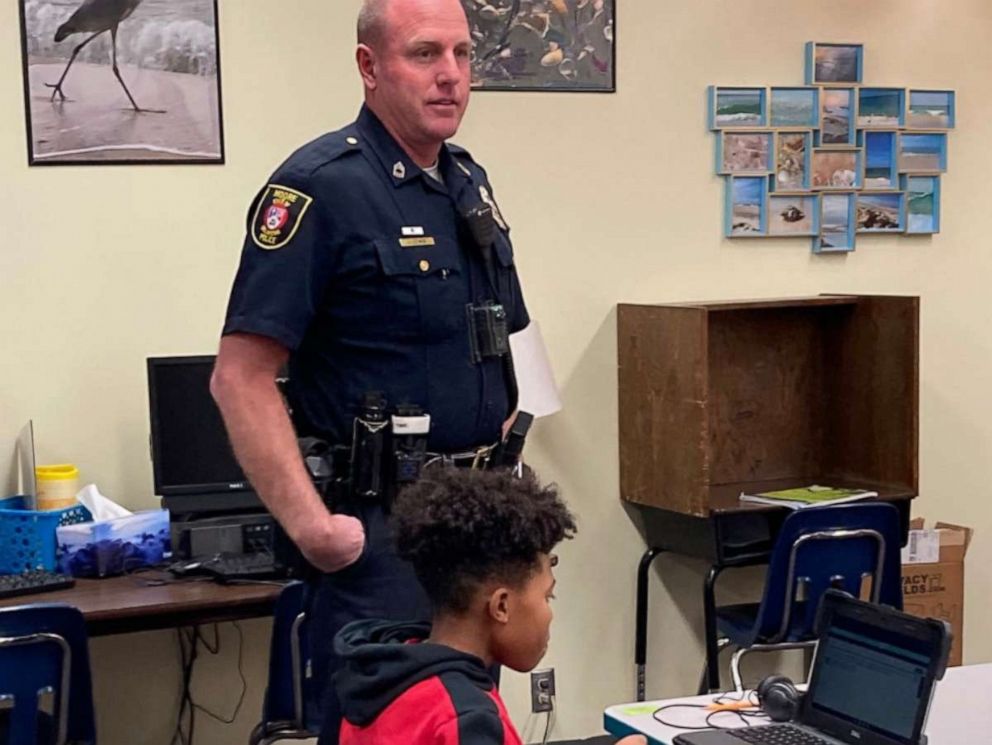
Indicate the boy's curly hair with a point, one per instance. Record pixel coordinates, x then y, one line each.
461 527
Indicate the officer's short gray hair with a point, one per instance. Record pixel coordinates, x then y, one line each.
372 22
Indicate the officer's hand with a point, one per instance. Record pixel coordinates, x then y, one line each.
335 544
633 740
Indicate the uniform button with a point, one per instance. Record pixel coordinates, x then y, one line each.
424 265
352 141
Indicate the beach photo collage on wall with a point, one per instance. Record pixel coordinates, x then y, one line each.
832 158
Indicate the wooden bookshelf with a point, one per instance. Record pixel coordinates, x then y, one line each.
716 398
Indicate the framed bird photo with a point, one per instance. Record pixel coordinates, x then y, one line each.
121 81
543 45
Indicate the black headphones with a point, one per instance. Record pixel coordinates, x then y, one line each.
779 698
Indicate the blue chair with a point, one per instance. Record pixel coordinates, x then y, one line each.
284 710
45 690
844 547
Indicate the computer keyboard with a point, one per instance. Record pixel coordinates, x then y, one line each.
777 734
224 567
28 583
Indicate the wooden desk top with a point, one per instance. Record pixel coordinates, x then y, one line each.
135 603
725 498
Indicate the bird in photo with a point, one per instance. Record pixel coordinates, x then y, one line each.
95 17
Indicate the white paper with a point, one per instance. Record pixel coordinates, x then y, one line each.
25 464
101 507
923 547
535 379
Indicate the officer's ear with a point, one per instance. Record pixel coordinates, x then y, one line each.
367 66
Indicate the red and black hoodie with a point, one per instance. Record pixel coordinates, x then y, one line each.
397 689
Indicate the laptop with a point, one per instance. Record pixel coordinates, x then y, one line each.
871 683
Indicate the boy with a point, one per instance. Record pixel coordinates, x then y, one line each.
480 544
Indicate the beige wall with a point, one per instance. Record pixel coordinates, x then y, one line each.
611 198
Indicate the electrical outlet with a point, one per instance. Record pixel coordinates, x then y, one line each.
542 688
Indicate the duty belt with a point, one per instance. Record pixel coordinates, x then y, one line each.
476 459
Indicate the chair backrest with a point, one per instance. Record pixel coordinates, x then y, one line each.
45 685
842 546
285 693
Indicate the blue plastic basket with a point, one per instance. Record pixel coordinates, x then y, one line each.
27 537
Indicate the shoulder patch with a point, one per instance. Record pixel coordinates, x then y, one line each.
277 216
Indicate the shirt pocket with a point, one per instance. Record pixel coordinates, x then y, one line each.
424 287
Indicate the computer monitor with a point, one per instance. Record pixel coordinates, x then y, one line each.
194 467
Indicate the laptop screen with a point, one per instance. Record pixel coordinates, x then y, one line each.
873 675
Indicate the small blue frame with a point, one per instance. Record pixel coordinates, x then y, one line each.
881 159
846 69
881 108
859 169
780 203
930 109
922 152
869 199
775 184
745 191
823 244
922 204
721 149
837 121
731 107
787 107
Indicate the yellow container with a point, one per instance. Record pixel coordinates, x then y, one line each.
57 486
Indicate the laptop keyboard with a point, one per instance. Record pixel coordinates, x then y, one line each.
777 734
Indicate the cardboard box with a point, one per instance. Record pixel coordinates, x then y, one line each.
933 576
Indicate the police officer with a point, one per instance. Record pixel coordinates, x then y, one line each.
376 260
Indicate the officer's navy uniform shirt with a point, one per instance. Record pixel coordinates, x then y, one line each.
358 262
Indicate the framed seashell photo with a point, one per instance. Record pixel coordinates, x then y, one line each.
543 45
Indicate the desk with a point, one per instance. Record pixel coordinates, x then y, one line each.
120 605
959 714
733 534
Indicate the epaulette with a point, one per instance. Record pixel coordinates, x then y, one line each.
459 152
462 157
325 149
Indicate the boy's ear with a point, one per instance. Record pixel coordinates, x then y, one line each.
499 605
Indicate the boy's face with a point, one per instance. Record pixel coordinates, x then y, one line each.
522 640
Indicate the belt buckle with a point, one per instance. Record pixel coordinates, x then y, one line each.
482 455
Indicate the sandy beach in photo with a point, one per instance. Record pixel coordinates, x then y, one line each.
928 119
878 120
919 162
878 212
930 109
746 219
879 182
98 122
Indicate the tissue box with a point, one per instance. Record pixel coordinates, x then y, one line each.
107 547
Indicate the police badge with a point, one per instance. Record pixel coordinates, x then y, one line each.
278 216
